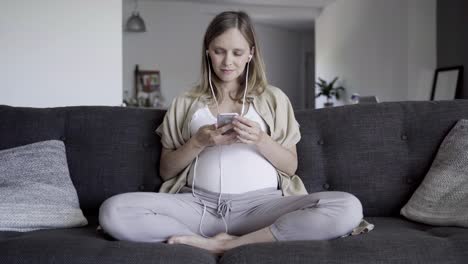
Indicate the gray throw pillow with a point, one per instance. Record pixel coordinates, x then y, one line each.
442 197
36 191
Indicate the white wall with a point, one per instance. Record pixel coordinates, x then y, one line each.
422 48
378 47
60 52
282 55
172 45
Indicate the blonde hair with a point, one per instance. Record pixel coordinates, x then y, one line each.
257 81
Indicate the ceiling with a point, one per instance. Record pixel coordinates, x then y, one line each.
290 14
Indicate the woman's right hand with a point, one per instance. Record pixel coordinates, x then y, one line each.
210 135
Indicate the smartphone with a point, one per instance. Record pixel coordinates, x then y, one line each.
224 119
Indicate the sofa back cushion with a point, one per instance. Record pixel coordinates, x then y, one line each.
110 150
379 152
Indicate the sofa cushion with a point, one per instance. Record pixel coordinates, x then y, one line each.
35 188
378 152
394 240
112 150
25 125
365 149
442 197
84 245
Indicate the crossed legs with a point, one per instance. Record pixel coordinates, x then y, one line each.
156 217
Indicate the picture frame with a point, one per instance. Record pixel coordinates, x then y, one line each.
447 83
148 88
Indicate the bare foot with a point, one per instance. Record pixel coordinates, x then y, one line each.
224 236
215 246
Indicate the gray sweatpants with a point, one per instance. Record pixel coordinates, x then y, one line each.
155 217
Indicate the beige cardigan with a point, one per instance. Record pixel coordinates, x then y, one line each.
272 105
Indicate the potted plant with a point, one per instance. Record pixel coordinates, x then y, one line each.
327 90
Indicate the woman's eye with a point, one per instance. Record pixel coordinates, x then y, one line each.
218 51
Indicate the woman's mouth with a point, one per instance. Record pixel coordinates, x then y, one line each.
227 71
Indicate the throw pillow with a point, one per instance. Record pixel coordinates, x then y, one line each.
36 191
442 197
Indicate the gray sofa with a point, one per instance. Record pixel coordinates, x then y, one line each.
379 152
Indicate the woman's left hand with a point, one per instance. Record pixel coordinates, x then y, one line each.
249 132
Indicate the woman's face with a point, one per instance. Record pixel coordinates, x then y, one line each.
229 53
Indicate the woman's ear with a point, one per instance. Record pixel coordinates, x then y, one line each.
252 51
207 55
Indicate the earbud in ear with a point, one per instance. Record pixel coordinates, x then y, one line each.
206 52
250 57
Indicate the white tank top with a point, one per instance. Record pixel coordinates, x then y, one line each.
243 167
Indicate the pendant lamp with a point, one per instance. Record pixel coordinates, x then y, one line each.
135 23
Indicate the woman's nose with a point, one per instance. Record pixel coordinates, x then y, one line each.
227 60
